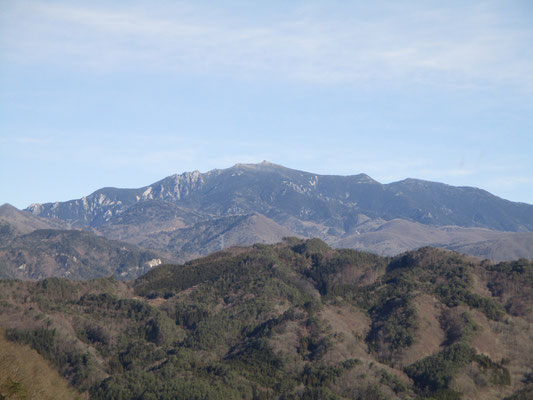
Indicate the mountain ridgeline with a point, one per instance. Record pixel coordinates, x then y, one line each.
280 193
193 214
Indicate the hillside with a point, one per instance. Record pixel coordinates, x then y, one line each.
296 320
32 247
14 222
71 254
24 374
187 215
396 236
207 237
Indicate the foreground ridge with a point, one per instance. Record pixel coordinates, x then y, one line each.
296 320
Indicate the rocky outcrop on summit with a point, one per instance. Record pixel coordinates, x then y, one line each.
104 204
338 209
279 193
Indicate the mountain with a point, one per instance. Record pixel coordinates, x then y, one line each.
14 222
295 320
187 215
32 247
72 254
510 246
209 236
278 192
398 235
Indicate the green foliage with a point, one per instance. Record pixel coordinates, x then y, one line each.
394 319
393 325
370 392
453 294
57 289
312 348
208 334
319 376
326 271
392 382
139 355
512 281
499 375
319 393
258 362
273 325
12 390
458 327
160 330
71 362
108 305
444 394
521 269
437 371
186 315
311 247
208 329
149 386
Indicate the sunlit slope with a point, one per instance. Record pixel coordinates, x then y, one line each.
296 320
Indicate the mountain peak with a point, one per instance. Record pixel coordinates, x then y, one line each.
262 165
364 178
287 195
7 209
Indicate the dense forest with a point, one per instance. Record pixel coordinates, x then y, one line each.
295 320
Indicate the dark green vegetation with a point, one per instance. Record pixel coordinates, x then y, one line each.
297 320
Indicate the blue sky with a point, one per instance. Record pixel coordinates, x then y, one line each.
124 93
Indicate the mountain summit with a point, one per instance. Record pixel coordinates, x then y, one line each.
280 193
185 212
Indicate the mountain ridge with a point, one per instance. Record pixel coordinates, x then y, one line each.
174 214
411 199
33 248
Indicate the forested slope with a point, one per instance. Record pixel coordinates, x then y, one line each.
296 320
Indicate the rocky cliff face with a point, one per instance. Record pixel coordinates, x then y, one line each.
336 209
102 205
280 192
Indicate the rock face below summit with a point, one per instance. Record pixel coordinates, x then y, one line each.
188 214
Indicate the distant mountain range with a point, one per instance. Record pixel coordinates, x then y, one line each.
336 203
193 214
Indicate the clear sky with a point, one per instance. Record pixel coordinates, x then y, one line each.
124 93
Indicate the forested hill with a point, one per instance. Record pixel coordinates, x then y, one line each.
296 320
